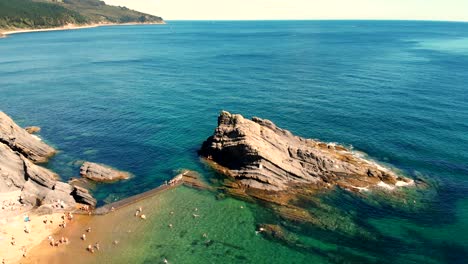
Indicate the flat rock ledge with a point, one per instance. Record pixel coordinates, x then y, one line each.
24 182
259 155
18 139
102 173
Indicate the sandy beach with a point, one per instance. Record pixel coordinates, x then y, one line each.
5 33
24 229
17 237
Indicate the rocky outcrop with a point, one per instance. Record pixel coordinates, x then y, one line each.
36 185
101 173
32 129
20 140
259 155
83 196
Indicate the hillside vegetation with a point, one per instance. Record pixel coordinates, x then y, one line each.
55 13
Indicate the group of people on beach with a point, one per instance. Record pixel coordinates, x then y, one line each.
63 240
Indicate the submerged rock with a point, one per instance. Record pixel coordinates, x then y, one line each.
20 140
32 129
102 173
259 155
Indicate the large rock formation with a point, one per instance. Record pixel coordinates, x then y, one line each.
101 173
36 185
20 140
259 155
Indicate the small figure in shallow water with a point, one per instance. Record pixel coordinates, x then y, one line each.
90 248
143 217
260 230
97 246
170 226
165 260
83 237
116 242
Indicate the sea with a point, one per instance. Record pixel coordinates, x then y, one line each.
143 98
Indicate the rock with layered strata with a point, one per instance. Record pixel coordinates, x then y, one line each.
82 195
102 173
260 155
36 185
20 140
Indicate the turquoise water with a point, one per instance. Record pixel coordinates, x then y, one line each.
143 99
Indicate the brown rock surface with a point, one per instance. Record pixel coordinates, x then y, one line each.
32 129
259 155
102 173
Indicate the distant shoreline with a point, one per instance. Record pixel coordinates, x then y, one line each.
4 34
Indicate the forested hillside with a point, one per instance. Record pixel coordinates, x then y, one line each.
29 14
55 13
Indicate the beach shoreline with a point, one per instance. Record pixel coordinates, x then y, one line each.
6 33
18 237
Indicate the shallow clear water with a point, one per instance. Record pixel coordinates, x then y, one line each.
143 99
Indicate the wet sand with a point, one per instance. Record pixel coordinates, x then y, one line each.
109 225
111 231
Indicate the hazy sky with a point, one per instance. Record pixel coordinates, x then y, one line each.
302 9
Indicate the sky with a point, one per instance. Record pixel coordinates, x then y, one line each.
451 10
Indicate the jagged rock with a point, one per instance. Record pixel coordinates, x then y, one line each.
33 194
36 186
102 173
39 174
12 176
19 140
259 155
83 196
32 129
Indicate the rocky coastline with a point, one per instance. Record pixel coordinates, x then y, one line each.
263 163
37 186
259 155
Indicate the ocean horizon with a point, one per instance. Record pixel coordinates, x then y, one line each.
143 98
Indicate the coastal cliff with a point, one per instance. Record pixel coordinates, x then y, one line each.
259 155
20 15
22 181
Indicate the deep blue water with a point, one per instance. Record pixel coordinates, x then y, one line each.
143 99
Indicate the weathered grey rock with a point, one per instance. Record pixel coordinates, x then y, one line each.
101 173
19 140
81 195
33 193
32 129
12 176
262 156
36 186
39 174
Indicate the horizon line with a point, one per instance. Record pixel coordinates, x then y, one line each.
325 19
